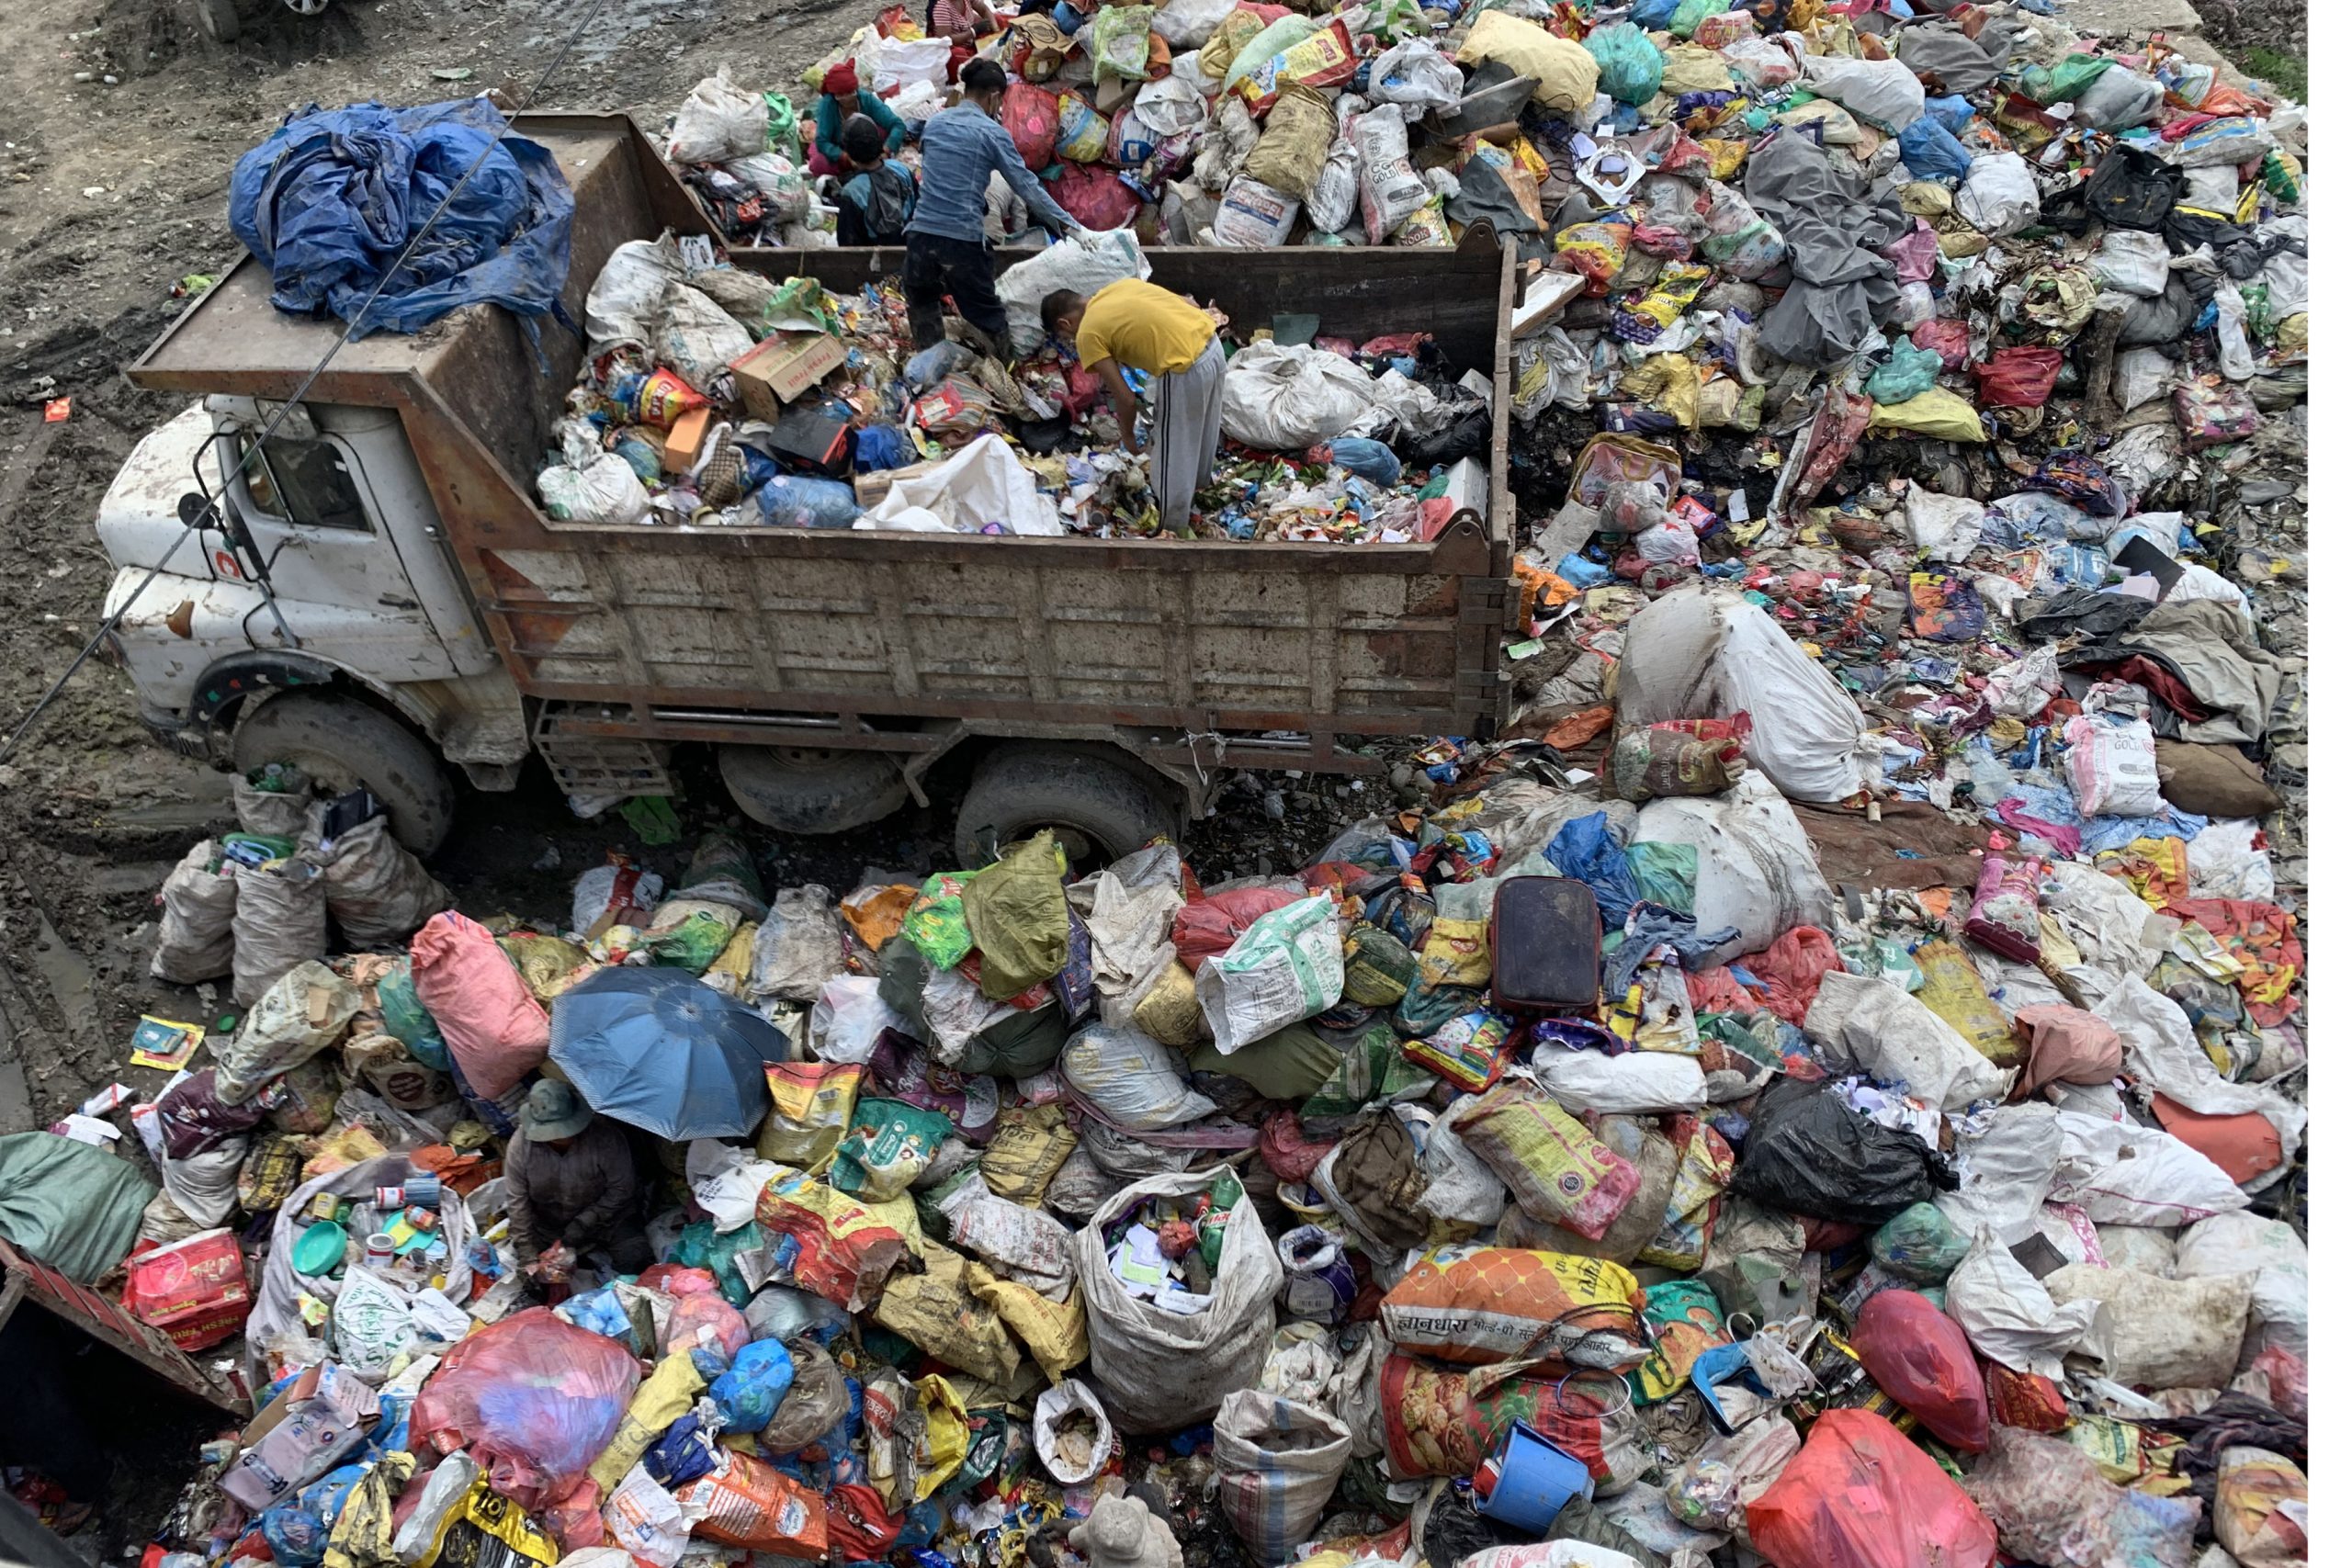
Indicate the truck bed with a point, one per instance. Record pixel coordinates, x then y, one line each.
1250 654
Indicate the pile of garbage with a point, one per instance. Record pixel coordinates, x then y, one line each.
1586 1166
712 396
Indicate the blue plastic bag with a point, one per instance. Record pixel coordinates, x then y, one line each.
883 447
331 199
680 1454
796 500
1583 849
1932 152
1371 459
1908 371
1632 67
748 1392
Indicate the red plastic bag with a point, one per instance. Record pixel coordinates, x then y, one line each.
1033 117
1095 196
1860 1494
1947 338
1923 1362
494 1027
1285 1148
578 1521
1207 926
858 1523
1792 969
2018 377
532 1398
705 1309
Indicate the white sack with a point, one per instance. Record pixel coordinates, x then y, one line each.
1877 1027
983 483
1632 1083
2160 1334
2007 1314
2122 1174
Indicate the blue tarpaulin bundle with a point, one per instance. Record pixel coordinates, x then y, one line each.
329 201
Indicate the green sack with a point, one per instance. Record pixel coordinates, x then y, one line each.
1121 45
1372 1068
71 1206
2066 81
1691 12
1428 1008
1379 967
1019 917
783 127
1685 1322
1919 1244
1018 1046
1632 67
887 1146
693 944
1291 1061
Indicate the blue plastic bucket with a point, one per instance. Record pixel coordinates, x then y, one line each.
1533 1481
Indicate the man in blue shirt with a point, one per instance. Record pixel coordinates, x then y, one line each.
948 252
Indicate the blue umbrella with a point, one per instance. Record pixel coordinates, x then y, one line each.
660 1050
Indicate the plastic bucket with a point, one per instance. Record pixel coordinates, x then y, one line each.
1533 1481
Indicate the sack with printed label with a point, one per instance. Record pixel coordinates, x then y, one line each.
1481 1305
1559 1171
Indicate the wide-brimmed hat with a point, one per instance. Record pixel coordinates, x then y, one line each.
554 1111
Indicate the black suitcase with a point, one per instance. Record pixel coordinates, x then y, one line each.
1545 934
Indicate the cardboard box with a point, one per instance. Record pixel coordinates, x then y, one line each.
682 445
300 1435
782 367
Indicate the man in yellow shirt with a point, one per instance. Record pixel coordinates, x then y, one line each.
1144 327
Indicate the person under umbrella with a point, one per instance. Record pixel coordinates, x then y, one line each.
570 1184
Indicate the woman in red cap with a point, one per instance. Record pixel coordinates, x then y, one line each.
841 98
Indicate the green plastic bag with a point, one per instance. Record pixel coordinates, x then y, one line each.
1691 12
703 1245
1685 1322
1226 1195
1666 874
1632 67
1372 1067
406 1021
1919 1244
2066 81
1908 371
783 127
693 944
1019 917
1273 41
935 922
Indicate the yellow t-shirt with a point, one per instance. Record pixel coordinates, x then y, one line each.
1144 327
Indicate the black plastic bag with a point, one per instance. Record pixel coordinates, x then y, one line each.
2131 188
1808 1152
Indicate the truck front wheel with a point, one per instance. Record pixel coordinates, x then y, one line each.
343 742
1100 804
801 789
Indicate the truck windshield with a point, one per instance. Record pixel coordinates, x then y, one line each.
302 481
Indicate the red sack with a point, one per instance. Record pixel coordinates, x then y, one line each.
1096 196
1792 969
1923 1362
1285 1148
1207 926
857 1523
495 1028
2018 377
2242 1142
1033 117
1860 1494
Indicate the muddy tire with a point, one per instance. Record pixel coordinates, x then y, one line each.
219 19
1101 803
799 789
341 742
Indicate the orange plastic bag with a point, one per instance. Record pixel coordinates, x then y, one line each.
1922 1360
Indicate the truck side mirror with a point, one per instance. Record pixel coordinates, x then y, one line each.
197 513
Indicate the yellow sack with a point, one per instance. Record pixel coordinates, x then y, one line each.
1032 1143
1054 1331
945 1436
1565 77
1171 1011
1954 993
548 964
1690 69
660 1399
810 1107
362 1537
1225 44
732 969
938 1314
1456 954
1945 415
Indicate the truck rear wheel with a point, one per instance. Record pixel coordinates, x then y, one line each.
343 742
799 789
1100 804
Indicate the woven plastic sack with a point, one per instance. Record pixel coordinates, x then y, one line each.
1565 77
1287 966
280 921
1122 42
717 121
302 1012
496 1031
533 1399
196 940
1278 1461
2112 767
376 891
1290 155
797 947
1157 1370
1483 1305
1132 1078
1557 1169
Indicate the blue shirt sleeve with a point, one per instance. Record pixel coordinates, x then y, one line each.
1026 185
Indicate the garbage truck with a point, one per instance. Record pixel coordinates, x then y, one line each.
380 598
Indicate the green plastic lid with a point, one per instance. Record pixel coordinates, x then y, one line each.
321 1249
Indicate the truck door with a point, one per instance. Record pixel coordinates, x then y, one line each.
331 551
